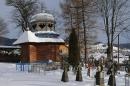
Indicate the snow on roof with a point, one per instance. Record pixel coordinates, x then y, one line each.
120 54
29 36
127 50
103 46
115 48
46 32
54 40
3 46
98 55
42 17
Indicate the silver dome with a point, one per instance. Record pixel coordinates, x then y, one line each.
42 17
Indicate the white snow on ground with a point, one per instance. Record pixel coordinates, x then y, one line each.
10 77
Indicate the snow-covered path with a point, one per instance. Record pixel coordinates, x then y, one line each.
10 77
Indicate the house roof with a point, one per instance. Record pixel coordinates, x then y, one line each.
28 37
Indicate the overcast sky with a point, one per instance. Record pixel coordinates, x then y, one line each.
5 13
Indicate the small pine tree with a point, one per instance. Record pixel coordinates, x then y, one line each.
65 75
79 74
74 52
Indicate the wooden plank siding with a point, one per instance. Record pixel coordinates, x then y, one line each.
32 53
24 53
35 52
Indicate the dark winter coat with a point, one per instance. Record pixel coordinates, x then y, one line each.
110 81
97 77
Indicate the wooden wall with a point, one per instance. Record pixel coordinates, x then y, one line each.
24 53
39 52
32 53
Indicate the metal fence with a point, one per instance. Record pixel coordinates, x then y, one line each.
37 67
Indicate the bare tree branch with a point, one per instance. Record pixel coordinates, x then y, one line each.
24 9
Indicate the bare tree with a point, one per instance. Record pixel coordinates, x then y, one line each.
115 19
3 27
77 14
23 10
72 13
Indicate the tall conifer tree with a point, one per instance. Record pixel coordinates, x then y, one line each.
74 52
